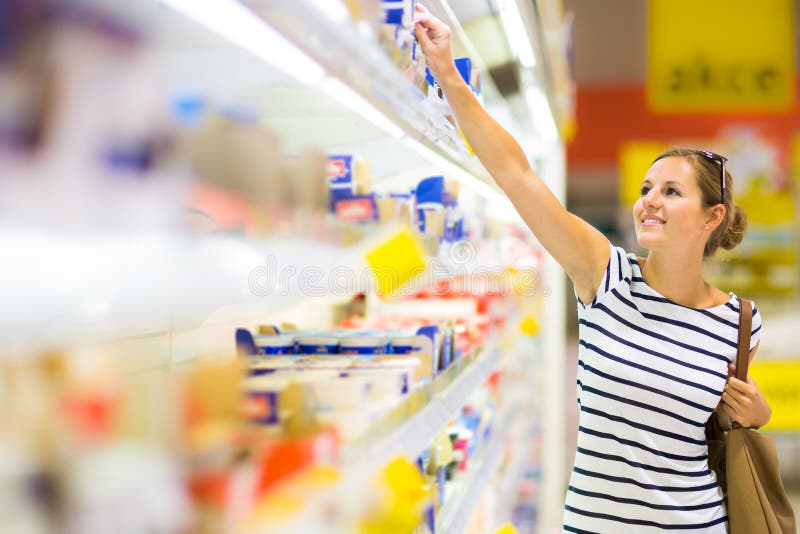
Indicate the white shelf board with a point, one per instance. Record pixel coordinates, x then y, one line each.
329 113
66 289
449 394
507 488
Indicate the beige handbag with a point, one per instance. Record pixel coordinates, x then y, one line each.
746 462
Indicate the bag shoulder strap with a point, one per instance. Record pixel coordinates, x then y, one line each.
743 344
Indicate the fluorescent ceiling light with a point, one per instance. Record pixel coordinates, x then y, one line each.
236 23
516 33
541 113
336 89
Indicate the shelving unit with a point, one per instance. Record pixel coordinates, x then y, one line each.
342 77
444 398
158 298
457 511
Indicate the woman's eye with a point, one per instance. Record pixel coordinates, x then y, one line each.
645 190
672 191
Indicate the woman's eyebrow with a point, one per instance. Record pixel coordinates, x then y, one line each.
668 182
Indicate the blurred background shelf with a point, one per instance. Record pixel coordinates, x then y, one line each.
457 510
67 289
440 401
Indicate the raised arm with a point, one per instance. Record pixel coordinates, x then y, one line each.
580 248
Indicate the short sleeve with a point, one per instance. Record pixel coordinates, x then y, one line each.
618 270
755 333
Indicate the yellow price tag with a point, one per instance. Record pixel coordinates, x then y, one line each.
529 326
395 262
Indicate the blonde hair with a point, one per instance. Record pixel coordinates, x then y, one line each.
731 230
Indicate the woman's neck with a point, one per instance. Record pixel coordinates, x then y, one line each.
680 279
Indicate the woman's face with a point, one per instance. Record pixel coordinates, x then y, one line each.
669 212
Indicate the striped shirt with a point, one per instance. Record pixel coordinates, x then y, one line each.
650 372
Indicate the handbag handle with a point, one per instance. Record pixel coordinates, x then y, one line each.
743 344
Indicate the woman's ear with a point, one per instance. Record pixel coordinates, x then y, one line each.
715 215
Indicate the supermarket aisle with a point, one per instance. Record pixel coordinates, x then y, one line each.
268 307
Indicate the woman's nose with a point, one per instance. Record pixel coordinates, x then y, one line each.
652 198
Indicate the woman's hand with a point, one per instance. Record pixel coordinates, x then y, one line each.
433 36
744 401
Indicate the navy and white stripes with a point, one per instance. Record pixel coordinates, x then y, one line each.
650 373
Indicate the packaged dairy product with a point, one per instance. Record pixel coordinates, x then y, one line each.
275 345
342 393
364 345
317 344
403 344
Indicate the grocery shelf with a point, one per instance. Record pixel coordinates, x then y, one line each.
445 396
138 273
410 429
346 66
455 514
508 485
107 287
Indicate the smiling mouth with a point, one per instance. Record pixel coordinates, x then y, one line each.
652 222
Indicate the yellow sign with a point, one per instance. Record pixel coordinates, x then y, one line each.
635 157
395 262
720 55
779 382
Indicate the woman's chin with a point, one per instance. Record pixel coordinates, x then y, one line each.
646 242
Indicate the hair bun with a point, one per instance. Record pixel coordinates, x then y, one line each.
736 229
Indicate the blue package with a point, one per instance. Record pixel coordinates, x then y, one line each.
430 196
432 333
447 348
245 343
394 15
430 191
464 66
265 407
429 77
339 170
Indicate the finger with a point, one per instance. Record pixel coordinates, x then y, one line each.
422 37
732 402
733 397
743 404
738 385
744 398
731 369
421 9
425 22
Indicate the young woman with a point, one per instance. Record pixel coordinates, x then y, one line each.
656 340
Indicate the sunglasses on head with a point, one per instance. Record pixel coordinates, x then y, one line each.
718 159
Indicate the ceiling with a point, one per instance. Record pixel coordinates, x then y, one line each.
609 36
608 48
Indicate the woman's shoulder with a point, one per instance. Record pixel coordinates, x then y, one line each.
720 297
627 261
